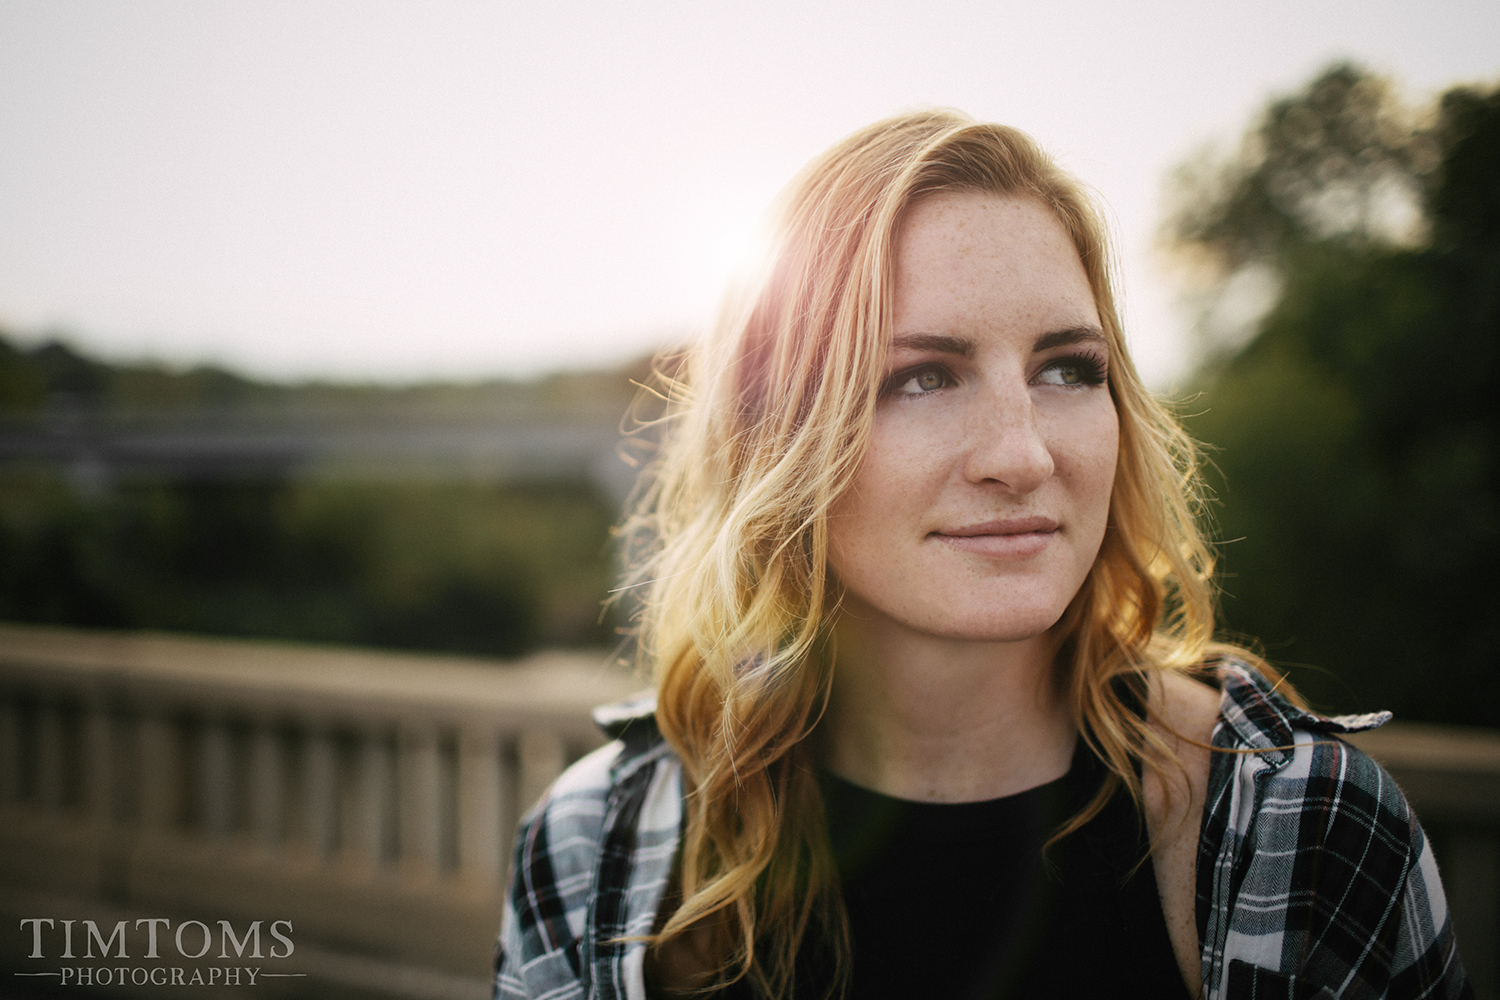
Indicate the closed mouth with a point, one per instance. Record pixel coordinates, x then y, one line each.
1010 526
1010 540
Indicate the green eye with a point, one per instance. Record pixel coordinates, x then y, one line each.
918 381
928 381
1073 372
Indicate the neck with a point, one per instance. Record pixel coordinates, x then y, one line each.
943 720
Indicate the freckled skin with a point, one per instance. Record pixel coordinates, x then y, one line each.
943 686
1000 434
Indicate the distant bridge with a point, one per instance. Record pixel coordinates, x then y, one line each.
97 449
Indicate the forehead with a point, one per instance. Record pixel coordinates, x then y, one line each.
971 258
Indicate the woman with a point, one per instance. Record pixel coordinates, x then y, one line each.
937 712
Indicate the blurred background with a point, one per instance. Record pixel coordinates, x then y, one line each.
319 322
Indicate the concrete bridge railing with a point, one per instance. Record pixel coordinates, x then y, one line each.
360 805
366 799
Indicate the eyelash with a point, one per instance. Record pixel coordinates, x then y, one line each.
896 381
1091 368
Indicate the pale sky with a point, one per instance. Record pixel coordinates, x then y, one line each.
446 189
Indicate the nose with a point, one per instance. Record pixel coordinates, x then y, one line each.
1006 446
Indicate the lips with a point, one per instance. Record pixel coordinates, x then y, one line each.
1013 538
1014 526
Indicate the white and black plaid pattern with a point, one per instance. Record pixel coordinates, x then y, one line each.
1314 879
592 861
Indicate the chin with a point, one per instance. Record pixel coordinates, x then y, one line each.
990 626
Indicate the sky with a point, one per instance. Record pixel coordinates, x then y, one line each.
397 191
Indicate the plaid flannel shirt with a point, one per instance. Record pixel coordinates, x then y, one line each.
1314 879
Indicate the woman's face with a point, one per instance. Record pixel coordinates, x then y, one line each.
982 502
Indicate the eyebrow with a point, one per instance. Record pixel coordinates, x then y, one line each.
1075 335
964 347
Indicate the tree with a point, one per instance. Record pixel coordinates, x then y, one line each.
433 558
1355 436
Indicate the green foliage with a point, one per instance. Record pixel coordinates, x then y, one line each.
22 390
1357 438
1333 161
54 372
452 566
429 558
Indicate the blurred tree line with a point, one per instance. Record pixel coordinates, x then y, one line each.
443 563
1346 261
1346 264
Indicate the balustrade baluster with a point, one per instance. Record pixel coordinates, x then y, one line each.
215 777
368 800
267 784
49 753
511 807
481 797
543 756
161 772
419 799
100 770
319 792
10 749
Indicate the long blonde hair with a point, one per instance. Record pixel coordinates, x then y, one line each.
767 422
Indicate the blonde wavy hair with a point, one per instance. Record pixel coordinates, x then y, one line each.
766 424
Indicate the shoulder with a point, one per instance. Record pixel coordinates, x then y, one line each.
562 831
1281 761
1312 868
616 799
557 847
570 817
1183 712
1277 762
1255 714
561 836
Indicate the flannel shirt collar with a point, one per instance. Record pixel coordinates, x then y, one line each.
1262 720
631 719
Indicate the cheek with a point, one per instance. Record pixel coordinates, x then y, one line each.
882 505
1092 458
891 476
1106 461
858 519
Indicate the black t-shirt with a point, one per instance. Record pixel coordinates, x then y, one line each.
956 901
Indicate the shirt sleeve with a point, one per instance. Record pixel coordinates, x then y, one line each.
539 951
1333 889
1425 960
